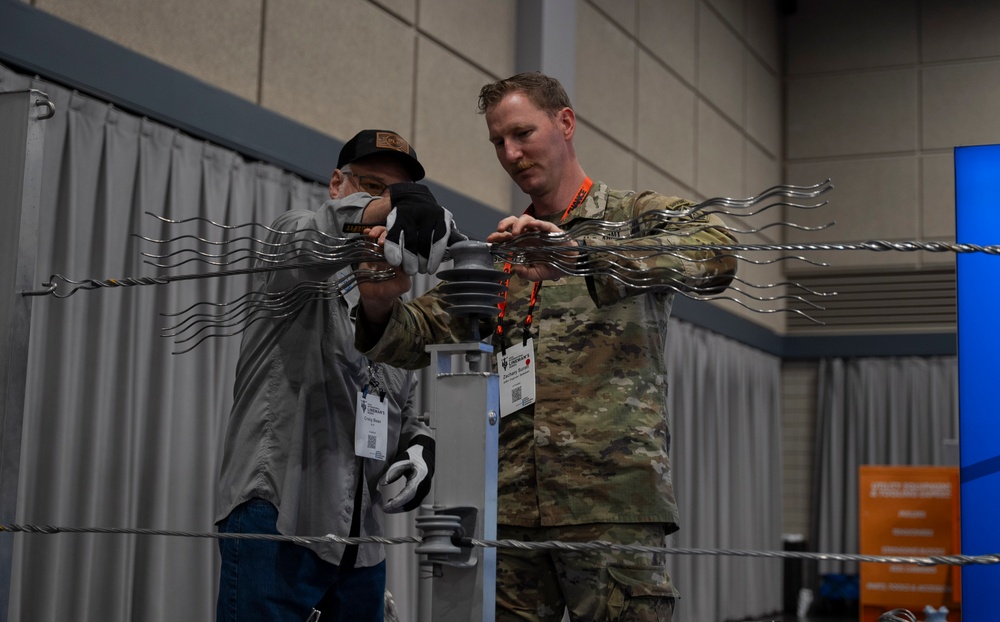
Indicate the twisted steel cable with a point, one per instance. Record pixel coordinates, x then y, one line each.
596 545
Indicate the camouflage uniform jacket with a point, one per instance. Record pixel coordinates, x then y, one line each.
594 448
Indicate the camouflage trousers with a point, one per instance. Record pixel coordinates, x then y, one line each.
595 586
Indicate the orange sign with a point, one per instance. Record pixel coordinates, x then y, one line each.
909 512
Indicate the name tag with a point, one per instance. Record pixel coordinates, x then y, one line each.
371 425
516 367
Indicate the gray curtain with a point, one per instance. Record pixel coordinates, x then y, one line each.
118 431
725 402
887 411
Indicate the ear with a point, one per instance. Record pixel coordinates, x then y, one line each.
566 121
336 179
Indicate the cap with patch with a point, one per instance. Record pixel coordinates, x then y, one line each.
370 142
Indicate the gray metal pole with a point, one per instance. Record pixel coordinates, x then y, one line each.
465 413
21 136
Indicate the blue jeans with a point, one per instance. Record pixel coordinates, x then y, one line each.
274 581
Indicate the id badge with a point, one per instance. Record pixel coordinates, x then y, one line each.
517 377
371 425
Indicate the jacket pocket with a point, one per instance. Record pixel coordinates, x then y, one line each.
639 593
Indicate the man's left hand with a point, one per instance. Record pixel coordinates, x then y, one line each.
418 476
418 229
508 231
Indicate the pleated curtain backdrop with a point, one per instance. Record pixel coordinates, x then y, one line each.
882 411
725 405
121 432
118 431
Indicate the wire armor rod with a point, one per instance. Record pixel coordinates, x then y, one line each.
658 233
50 286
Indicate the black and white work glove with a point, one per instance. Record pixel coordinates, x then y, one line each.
419 230
418 468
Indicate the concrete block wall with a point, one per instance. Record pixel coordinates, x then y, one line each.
684 97
336 66
678 96
878 94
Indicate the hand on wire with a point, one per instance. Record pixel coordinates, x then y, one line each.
508 231
418 229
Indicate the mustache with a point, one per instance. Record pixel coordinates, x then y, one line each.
522 165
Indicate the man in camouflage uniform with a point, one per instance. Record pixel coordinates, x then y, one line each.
589 460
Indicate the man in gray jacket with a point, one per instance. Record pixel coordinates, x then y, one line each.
315 425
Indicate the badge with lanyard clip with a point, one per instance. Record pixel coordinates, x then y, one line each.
371 419
515 362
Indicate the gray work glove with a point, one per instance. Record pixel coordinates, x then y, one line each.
419 230
419 469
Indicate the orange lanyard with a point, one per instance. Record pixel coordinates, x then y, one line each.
581 194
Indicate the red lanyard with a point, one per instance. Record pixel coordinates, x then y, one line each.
581 194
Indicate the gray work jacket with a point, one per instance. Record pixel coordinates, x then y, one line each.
290 436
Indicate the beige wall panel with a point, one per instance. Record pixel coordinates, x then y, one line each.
731 11
844 261
605 75
313 70
937 209
667 28
764 106
405 9
936 261
666 135
217 42
959 30
603 160
621 11
720 65
480 30
648 178
872 199
960 104
763 32
860 113
837 35
763 171
720 155
452 136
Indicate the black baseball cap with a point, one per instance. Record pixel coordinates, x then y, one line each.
370 142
